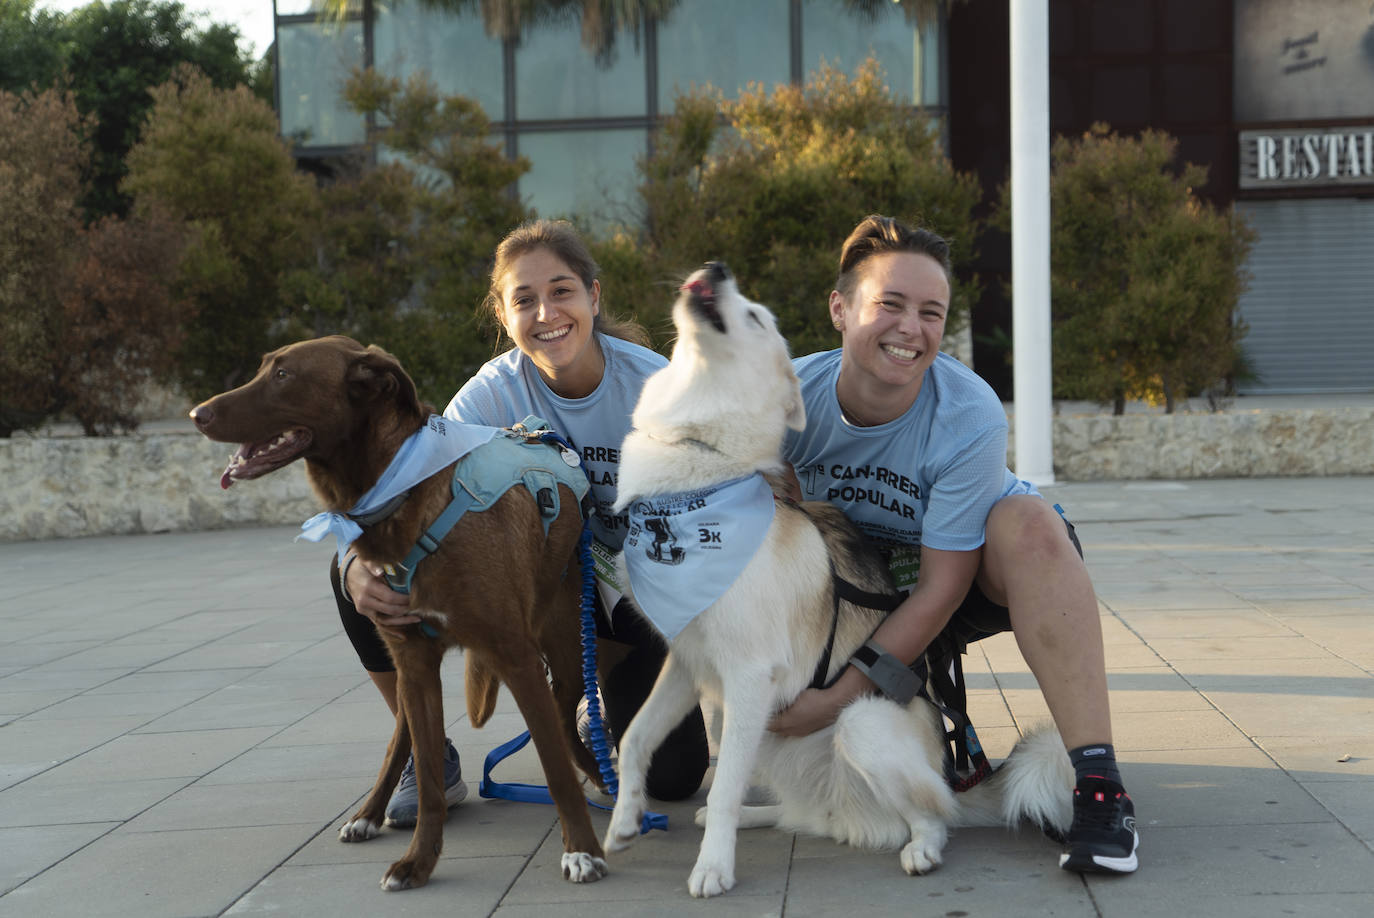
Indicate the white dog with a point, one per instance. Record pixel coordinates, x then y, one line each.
716 416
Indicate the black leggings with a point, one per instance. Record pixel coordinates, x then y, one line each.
676 770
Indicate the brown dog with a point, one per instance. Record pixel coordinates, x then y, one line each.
497 586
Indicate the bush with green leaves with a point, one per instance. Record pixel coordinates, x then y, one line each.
404 250
1145 275
773 181
86 314
110 55
211 159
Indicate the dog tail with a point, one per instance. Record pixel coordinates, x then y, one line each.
1035 783
480 686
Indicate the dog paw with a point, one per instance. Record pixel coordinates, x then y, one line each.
581 867
405 875
356 830
920 857
700 817
709 880
624 827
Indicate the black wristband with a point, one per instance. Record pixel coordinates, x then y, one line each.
892 677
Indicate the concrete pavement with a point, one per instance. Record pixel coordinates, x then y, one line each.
183 728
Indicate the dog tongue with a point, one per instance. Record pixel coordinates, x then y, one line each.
235 460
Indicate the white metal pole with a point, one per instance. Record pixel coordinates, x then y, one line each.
1030 239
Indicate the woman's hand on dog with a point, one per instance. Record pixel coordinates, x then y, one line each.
816 709
373 598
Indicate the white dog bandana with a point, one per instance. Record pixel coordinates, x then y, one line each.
437 445
683 551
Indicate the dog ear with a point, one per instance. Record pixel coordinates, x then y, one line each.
375 374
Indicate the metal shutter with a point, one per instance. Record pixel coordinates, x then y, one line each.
1310 305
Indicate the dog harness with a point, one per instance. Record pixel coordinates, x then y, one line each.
940 668
683 551
439 443
522 455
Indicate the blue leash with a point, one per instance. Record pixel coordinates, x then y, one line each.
601 747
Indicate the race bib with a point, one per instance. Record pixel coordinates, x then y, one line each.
904 561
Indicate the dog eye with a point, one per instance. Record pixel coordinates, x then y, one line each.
281 374
753 317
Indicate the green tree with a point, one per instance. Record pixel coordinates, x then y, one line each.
1145 276
110 55
31 46
120 50
603 21
774 181
40 163
404 249
211 158
86 316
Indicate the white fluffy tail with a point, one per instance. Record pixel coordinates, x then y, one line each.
1035 783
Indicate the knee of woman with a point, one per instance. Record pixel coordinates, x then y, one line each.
1028 526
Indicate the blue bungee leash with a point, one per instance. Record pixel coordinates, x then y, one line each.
600 745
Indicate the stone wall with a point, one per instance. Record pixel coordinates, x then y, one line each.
66 486
1231 444
159 482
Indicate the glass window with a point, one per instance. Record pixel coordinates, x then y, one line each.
299 7
843 39
555 77
590 174
452 50
725 43
316 58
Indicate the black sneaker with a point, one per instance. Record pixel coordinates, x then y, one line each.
1102 838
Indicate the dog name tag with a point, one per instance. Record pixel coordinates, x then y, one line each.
569 457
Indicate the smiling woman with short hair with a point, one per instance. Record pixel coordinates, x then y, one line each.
888 408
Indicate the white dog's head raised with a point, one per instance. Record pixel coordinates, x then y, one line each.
730 383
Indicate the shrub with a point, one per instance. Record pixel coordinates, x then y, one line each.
86 316
40 164
773 182
122 323
211 159
404 252
1145 275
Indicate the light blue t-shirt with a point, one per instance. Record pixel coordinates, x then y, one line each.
508 388
929 477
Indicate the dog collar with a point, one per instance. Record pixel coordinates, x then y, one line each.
688 441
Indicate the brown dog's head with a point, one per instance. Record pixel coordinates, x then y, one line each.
307 400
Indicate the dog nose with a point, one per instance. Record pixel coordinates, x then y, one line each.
717 271
202 416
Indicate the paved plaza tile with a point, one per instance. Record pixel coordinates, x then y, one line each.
183 728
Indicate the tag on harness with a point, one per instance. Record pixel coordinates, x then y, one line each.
548 504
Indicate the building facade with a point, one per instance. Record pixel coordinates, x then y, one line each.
1274 97
582 122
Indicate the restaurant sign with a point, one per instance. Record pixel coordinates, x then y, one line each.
1307 156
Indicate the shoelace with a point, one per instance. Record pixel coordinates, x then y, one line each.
1098 814
409 770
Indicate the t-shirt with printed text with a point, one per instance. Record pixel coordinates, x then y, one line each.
929 477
